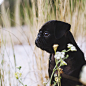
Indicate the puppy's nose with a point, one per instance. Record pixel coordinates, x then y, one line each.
38 36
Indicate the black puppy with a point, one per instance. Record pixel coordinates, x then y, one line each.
57 32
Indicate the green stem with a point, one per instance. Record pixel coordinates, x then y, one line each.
52 74
21 83
68 50
59 77
55 59
55 68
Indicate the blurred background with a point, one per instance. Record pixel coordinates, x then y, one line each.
21 62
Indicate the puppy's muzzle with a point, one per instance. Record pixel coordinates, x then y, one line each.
37 42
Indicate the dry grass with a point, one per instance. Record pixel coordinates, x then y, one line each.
71 11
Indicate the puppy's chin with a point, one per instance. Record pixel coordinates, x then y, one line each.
49 50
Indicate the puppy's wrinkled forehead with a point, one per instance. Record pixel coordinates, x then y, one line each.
56 28
48 26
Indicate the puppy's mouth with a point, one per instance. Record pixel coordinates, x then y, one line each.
44 46
39 44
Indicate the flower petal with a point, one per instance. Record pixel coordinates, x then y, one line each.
63 63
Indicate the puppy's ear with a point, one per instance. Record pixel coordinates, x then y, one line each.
61 28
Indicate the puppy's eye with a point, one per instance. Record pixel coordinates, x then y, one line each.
46 34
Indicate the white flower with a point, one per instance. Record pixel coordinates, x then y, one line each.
55 74
62 54
55 46
83 75
59 55
1 1
71 47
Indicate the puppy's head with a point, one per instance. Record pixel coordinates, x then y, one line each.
51 33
